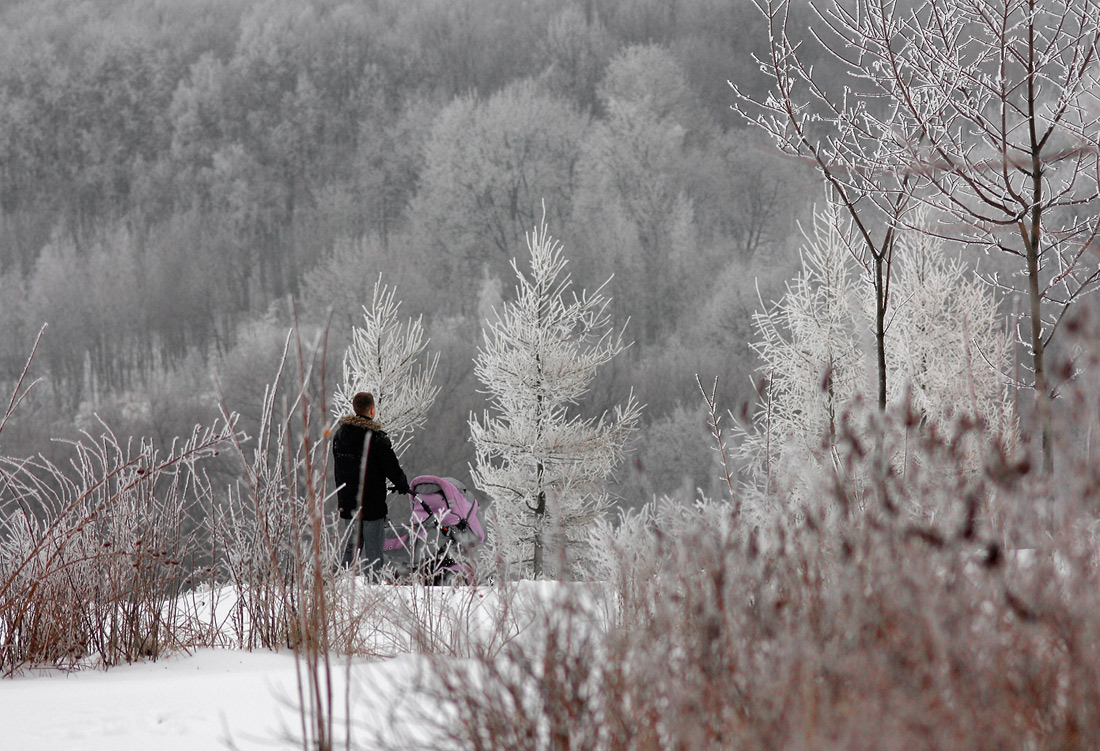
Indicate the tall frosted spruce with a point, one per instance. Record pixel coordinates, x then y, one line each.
544 468
384 359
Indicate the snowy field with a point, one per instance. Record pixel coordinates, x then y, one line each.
204 700
211 699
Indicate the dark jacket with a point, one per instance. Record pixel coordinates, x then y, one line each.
347 453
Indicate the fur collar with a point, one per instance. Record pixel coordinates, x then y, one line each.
361 422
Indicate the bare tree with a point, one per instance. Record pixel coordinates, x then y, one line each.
988 110
834 129
1008 123
944 335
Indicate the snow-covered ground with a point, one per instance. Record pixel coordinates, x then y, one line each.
229 698
207 700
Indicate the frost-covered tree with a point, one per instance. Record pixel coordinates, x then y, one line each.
543 467
948 345
824 125
945 342
487 164
984 109
630 184
384 359
810 353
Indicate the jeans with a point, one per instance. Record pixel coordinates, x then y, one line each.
363 544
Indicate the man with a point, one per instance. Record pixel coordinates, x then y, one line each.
363 459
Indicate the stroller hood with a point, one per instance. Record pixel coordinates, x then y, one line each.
444 501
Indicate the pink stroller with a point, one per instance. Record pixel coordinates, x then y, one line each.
443 530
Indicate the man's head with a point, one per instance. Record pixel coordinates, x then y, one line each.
363 404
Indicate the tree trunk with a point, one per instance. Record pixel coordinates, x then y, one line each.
1033 239
540 520
1038 351
880 328
537 562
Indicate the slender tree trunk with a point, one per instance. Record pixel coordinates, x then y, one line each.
880 328
537 561
540 523
1038 348
1032 236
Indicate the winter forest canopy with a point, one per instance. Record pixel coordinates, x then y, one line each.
177 179
180 183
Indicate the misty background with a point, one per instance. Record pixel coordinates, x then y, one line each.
180 180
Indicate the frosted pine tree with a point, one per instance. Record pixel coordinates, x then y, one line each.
384 359
544 468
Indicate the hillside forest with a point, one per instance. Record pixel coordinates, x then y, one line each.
181 181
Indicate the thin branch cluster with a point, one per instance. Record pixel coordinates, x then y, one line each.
984 111
96 558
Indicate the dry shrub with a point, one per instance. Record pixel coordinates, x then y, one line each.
931 605
94 558
536 688
274 544
129 550
278 542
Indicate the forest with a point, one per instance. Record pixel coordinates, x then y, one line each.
182 181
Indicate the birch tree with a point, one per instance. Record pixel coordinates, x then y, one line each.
543 467
384 359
